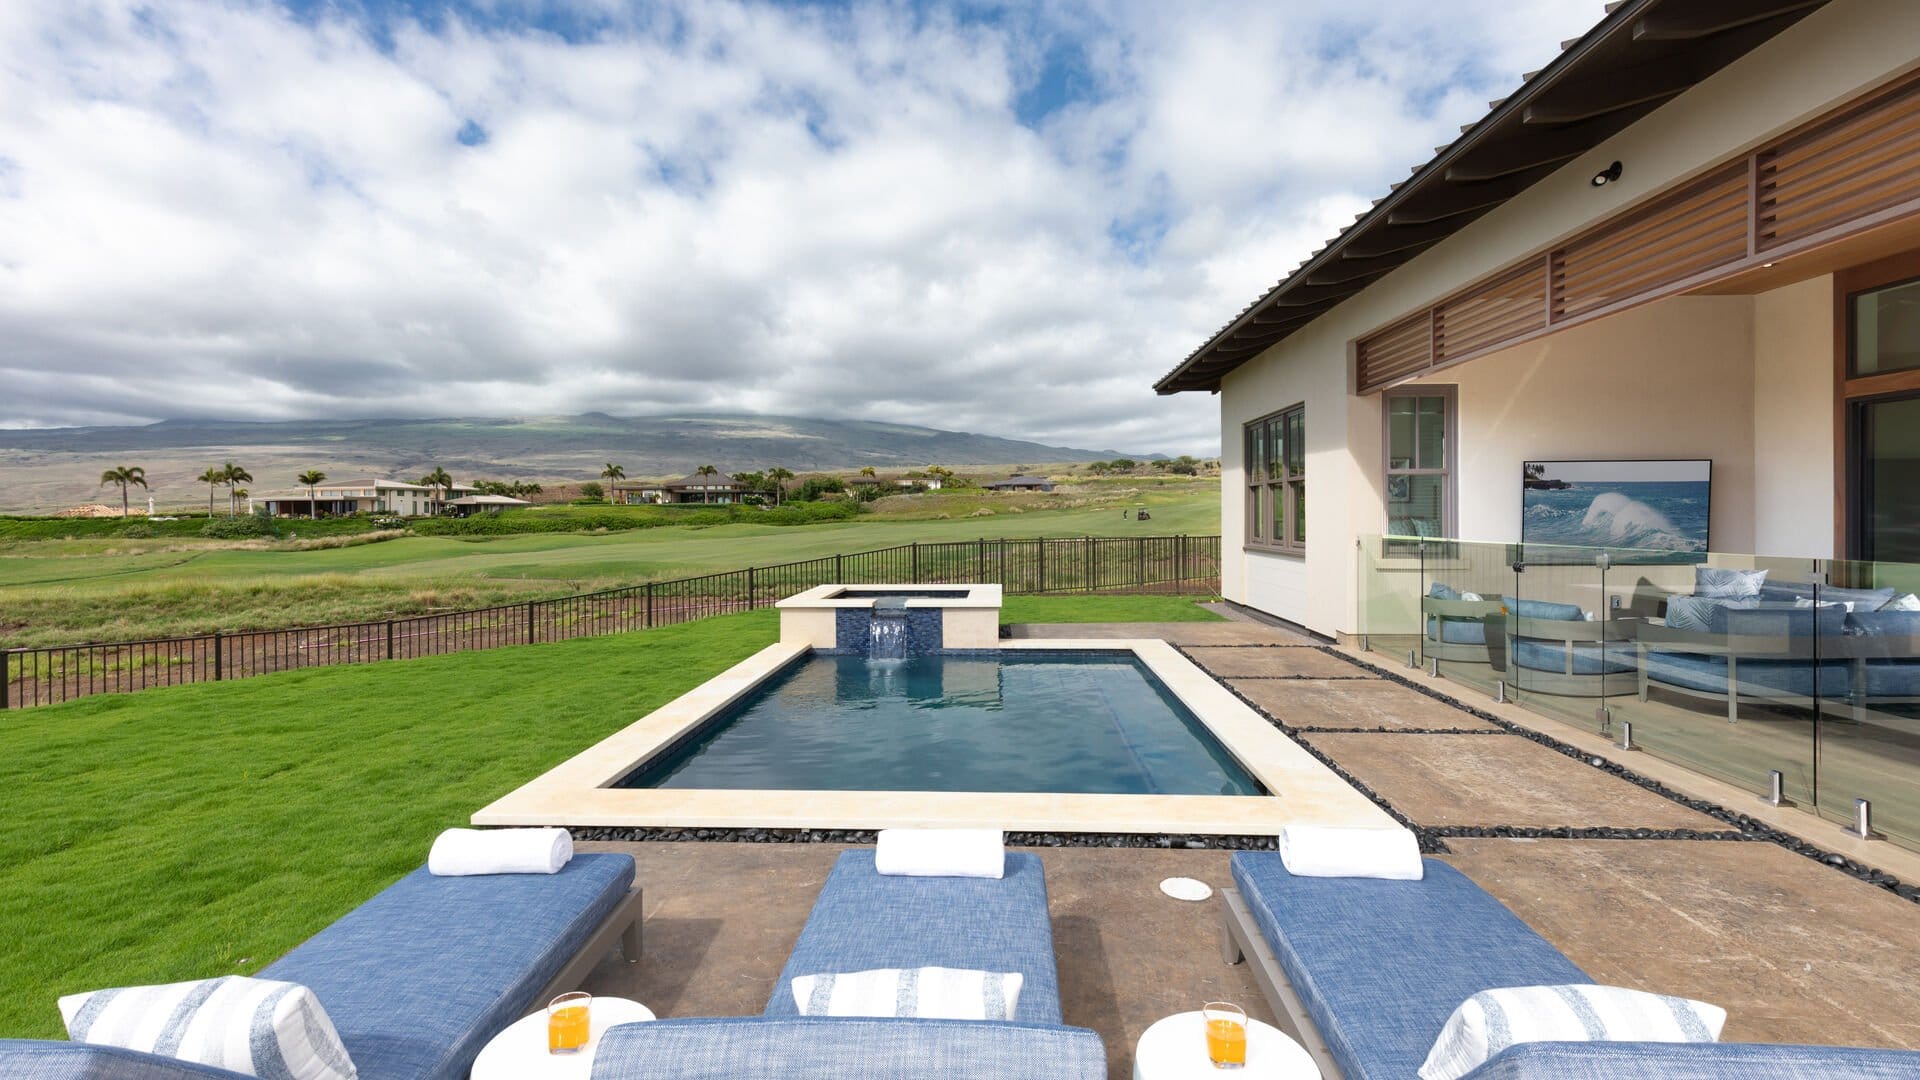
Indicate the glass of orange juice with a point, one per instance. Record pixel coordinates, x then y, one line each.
1226 1034
567 1023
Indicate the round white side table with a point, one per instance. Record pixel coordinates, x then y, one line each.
520 1052
1175 1048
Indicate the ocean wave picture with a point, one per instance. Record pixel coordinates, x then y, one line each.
1660 507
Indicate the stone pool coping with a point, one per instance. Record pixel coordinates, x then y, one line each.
1305 791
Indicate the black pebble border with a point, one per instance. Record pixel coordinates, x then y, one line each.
1745 828
629 834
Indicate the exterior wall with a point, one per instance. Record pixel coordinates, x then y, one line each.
1833 54
1671 380
1793 437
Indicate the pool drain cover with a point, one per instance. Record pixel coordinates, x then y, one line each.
1186 888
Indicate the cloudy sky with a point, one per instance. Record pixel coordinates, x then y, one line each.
1007 218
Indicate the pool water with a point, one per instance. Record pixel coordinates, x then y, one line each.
1003 722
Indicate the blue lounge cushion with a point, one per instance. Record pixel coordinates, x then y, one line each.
865 920
418 978
1695 1061
1459 631
1546 609
1443 591
848 1048
36 1059
1589 657
1383 964
1757 678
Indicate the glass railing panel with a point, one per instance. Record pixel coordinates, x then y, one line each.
1388 591
1463 609
1722 678
1560 659
1869 709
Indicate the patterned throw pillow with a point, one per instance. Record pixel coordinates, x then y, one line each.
1903 602
259 1027
1726 584
1492 1020
929 993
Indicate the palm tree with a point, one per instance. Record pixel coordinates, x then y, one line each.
213 479
705 470
439 479
233 476
311 479
778 476
124 475
611 473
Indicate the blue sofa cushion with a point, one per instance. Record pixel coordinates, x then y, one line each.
1695 1061
847 1048
1861 599
1893 679
1730 584
1588 656
1884 623
1758 678
1546 609
1382 964
418 978
34 1059
1460 631
865 920
1443 591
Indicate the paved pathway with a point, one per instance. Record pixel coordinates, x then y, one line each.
1798 952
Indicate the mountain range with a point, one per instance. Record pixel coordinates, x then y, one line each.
48 468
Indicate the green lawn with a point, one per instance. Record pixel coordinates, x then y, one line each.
205 830
58 591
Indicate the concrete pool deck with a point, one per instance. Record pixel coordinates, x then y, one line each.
1796 951
1303 790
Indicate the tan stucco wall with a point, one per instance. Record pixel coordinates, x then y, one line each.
1832 55
1793 445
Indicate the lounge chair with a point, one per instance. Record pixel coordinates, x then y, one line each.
419 978
865 920
1364 973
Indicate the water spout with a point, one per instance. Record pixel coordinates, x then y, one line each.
887 634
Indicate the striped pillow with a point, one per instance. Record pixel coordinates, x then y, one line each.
929 993
254 1026
1492 1020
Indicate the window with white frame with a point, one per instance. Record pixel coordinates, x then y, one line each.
1276 467
1420 455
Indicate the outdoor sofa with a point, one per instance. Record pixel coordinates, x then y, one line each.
1365 972
864 920
419 978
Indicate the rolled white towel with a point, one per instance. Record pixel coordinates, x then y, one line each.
940 853
466 852
1328 851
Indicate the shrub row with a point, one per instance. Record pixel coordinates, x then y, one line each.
617 518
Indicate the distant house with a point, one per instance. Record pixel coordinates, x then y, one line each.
693 488
340 498
1020 483
469 505
904 483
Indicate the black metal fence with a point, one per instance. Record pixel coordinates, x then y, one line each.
1093 564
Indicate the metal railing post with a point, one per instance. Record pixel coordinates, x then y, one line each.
752 599
389 639
529 622
649 605
217 662
916 562
1040 577
6 678
839 575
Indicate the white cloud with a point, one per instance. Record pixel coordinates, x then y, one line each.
213 208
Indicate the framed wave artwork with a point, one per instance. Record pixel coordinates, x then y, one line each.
1659 509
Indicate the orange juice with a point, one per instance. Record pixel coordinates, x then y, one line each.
567 1029
1227 1042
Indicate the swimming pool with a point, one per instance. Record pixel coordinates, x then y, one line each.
1028 721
